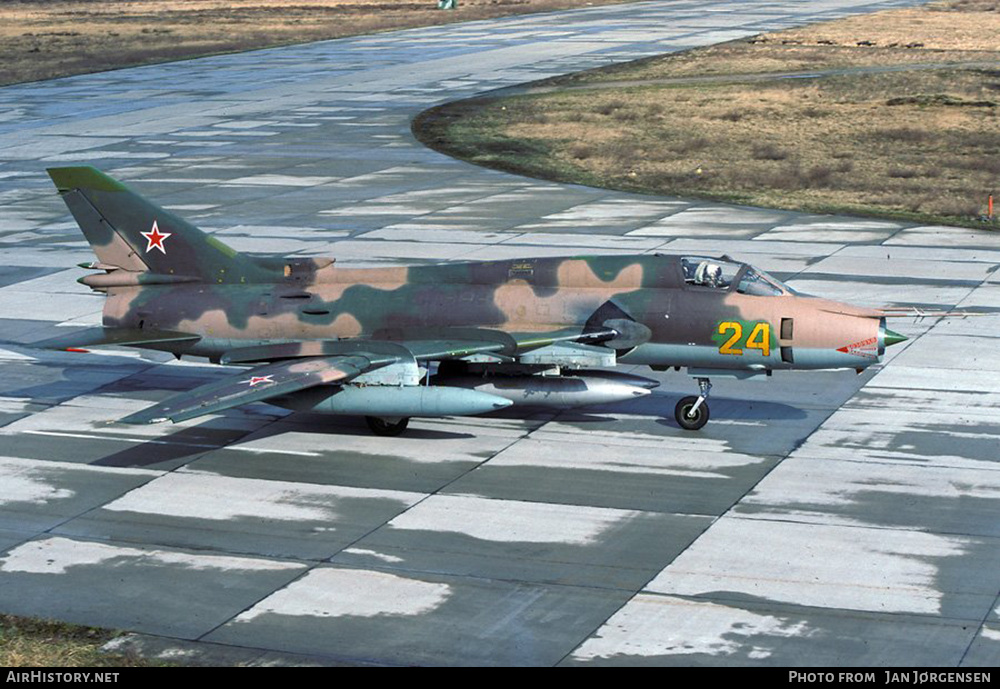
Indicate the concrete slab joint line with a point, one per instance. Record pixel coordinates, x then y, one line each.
827 518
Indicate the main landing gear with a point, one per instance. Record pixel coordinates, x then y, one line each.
387 427
692 412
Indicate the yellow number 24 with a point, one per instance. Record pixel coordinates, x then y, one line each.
759 339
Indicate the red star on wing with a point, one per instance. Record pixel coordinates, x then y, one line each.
257 380
155 239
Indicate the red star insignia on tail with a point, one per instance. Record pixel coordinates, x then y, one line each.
155 239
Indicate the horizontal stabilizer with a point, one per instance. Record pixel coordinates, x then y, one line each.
95 337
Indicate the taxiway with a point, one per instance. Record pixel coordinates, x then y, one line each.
821 518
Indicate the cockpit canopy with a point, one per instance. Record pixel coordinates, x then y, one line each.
722 273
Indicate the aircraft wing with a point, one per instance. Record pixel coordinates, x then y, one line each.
255 385
456 342
420 344
296 366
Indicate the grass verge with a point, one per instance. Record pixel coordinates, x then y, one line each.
28 642
896 116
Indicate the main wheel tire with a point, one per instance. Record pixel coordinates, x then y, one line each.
380 426
691 423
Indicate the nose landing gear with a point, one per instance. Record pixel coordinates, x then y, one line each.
692 412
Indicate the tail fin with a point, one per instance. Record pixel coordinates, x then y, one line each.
127 231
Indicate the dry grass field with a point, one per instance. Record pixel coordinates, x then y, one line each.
903 121
960 31
42 39
37 643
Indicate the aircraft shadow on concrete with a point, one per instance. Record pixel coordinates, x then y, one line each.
182 444
185 445
663 406
188 444
346 426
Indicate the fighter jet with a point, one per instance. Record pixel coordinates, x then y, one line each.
439 340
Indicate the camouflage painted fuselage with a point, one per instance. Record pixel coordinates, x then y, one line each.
688 325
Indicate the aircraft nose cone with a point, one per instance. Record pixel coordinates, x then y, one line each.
892 338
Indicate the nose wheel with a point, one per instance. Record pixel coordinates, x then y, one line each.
692 412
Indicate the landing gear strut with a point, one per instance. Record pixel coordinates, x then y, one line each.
387 427
692 412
